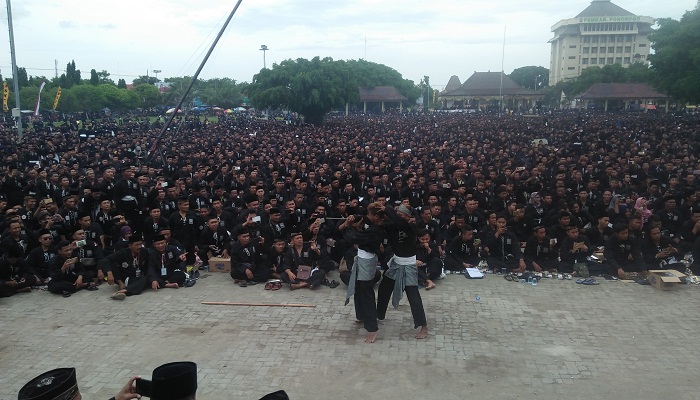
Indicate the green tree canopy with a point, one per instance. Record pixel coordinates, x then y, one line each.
676 61
531 77
315 87
94 79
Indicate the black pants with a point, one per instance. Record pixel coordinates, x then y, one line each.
386 288
136 285
61 287
315 279
432 271
365 306
176 277
261 274
345 277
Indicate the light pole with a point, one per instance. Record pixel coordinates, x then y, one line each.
264 49
157 71
537 79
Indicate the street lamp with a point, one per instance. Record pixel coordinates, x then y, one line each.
157 71
537 80
264 48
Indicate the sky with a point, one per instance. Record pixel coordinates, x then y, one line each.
438 38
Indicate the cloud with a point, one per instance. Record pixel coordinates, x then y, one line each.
67 24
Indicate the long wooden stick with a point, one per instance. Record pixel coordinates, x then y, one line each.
224 303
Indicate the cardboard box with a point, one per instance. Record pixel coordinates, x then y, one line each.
218 264
665 279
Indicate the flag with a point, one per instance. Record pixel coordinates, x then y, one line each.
5 96
38 99
58 96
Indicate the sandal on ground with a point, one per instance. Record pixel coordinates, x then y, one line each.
66 294
508 277
276 286
92 287
590 281
243 284
333 284
269 285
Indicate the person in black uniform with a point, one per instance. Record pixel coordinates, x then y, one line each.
15 277
622 254
504 249
214 239
428 260
248 265
364 269
65 272
39 258
167 265
128 268
402 274
540 251
574 250
184 227
463 251
302 254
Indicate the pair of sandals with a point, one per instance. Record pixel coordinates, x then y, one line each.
247 283
587 281
331 284
273 285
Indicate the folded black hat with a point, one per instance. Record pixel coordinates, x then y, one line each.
172 381
57 384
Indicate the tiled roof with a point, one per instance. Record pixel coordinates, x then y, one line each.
621 91
603 8
380 93
453 83
489 84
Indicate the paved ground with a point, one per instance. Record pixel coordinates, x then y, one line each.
558 340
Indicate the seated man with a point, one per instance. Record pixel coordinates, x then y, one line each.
15 277
574 251
462 251
167 265
276 257
304 254
128 267
39 258
89 254
622 254
248 265
504 249
213 240
65 272
660 252
428 260
540 252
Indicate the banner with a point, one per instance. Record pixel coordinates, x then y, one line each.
5 96
38 99
58 96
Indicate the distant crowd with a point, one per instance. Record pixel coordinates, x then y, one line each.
89 202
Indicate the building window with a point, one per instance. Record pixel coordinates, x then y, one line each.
594 61
585 50
594 39
603 39
642 45
594 50
584 61
573 46
586 39
610 60
572 68
627 60
572 57
619 49
601 61
602 49
611 49
618 60
620 38
628 49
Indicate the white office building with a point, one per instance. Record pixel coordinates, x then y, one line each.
604 33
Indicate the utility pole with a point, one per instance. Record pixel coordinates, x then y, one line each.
264 49
15 81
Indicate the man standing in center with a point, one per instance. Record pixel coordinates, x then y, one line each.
402 274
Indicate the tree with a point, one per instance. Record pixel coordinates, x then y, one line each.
531 77
103 77
22 77
148 94
121 84
71 77
676 58
151 80
94 79
315 87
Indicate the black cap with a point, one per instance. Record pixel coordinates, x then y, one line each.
172 381
135 238
57 384
159 237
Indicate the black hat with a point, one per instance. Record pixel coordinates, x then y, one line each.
135 238
274 210
171 381
57 384
278 395
159 237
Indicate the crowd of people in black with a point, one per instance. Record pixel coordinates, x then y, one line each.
89 202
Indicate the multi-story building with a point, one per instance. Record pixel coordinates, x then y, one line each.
604 33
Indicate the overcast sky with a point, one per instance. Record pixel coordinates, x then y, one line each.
437 38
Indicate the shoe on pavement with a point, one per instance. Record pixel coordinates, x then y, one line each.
118 296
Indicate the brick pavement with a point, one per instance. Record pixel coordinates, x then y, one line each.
556 340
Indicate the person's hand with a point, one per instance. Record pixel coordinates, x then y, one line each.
313 245
79 281
261 240
155 285
522 264
501 231
536 267
249 274
183 257
129 390
100 275
11 283
621 273
291 275
425 246
110 278
66 265
419 263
